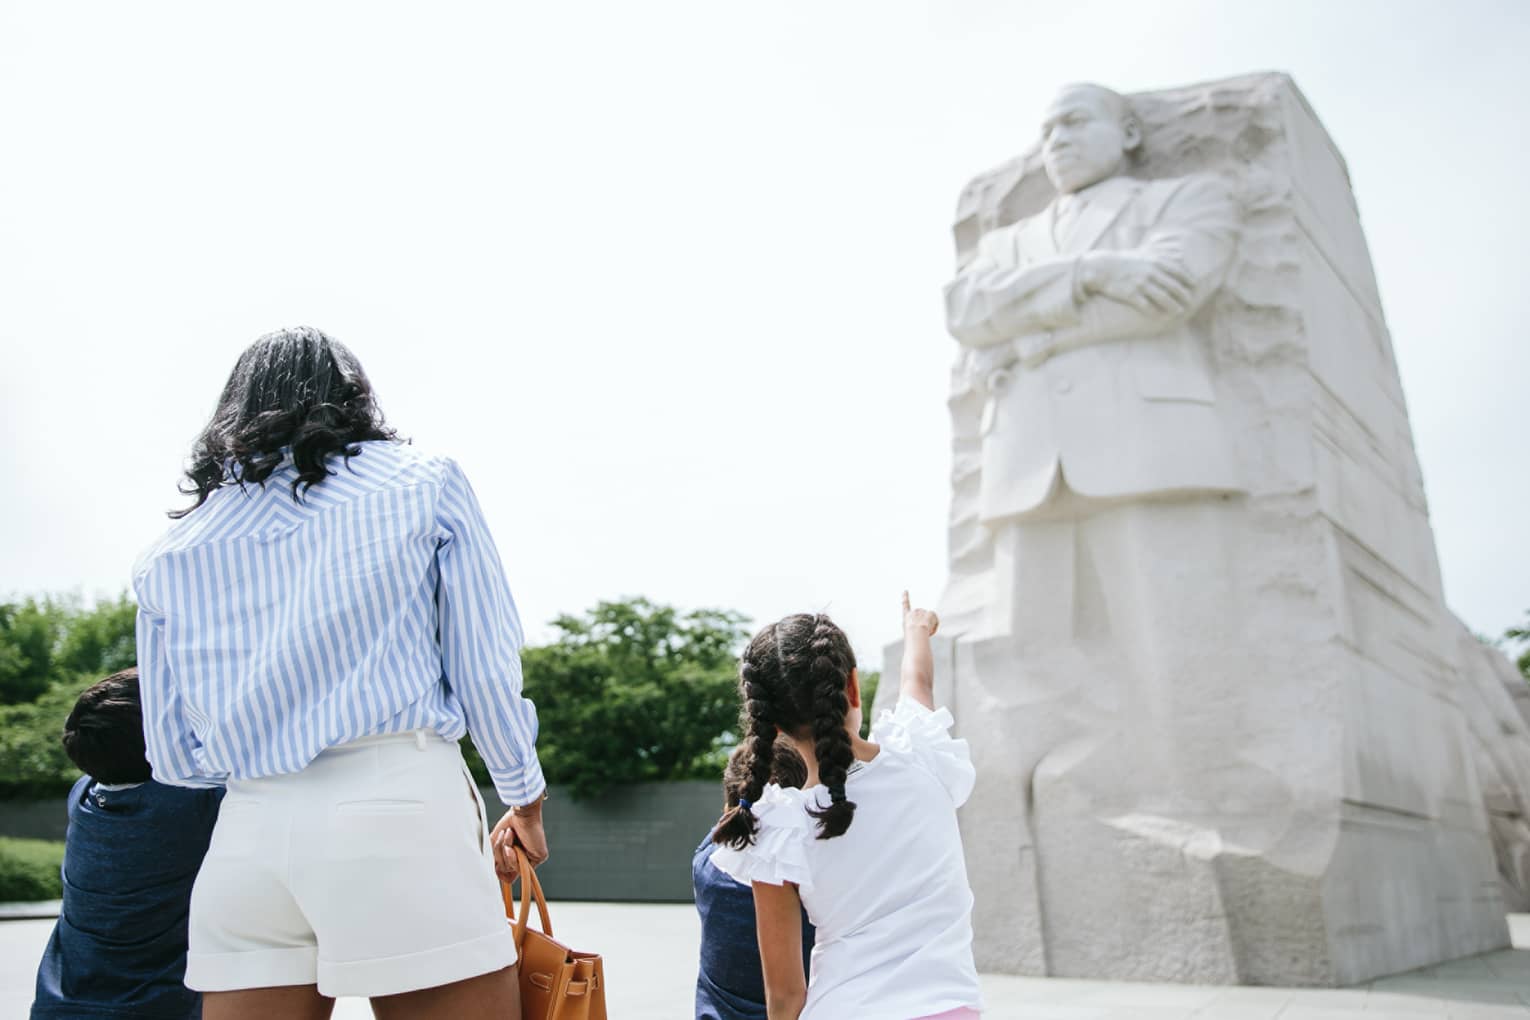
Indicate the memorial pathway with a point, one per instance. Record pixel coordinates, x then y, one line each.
650 966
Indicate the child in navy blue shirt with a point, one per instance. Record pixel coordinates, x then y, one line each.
130 856
729 984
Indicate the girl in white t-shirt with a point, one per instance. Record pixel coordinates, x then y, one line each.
869 846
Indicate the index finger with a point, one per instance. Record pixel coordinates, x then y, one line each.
906 606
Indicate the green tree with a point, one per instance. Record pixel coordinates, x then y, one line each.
32 758
870 680
1520 636
633 691
29 635
99 640
44 642
50 650
627 692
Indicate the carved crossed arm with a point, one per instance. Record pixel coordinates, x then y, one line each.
989 304
1032 311
1195 235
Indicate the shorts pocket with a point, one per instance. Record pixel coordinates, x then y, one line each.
381 829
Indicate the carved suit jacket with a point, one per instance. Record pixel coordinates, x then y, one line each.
1085 389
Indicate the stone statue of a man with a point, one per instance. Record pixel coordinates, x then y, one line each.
1081 322
1108 492
1222 720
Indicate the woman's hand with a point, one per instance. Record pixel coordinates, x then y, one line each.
521 827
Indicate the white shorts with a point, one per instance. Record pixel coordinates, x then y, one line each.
367 873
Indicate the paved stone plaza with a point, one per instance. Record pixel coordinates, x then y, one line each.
651 952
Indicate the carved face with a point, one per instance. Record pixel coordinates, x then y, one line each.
1085 137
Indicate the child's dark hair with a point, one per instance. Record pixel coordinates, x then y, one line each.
786 769
792 678
103 735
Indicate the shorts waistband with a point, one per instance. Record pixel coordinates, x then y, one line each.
357 758
422 738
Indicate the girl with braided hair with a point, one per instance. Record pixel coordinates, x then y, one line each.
868 846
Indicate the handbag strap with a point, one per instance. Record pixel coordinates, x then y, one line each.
531 886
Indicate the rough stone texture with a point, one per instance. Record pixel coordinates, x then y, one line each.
1274 757
1497 703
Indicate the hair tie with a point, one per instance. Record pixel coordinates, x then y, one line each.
837 793
743 802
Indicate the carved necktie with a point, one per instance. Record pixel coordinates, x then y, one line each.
1068 209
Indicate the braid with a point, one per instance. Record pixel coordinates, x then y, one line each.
736 828
829 663
792 679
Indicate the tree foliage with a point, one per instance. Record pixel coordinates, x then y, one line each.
45 642
871 679
29 633
627 692
1520 636
32 759
50 650
633 691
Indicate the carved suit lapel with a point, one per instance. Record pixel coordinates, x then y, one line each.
1101 213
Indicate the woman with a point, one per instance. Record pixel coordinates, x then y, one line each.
316 632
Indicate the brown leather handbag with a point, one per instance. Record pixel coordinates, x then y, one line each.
556 982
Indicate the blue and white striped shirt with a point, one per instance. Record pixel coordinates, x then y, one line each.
270 629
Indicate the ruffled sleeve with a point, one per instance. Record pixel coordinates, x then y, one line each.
780 850
912 730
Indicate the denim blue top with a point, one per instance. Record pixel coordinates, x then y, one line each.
729 984
119 948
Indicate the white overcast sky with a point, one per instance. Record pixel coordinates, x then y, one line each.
665 276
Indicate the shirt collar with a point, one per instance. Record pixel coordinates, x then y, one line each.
1105 189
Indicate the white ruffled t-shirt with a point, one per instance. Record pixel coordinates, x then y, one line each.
889 898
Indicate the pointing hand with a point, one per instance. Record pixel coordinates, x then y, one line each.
919 619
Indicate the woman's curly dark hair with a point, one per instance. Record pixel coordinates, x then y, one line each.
295 390
793 677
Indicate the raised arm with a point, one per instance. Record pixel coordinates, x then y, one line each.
916 678
778 923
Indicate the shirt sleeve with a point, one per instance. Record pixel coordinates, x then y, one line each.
480 634
915 731
170 743
779 853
